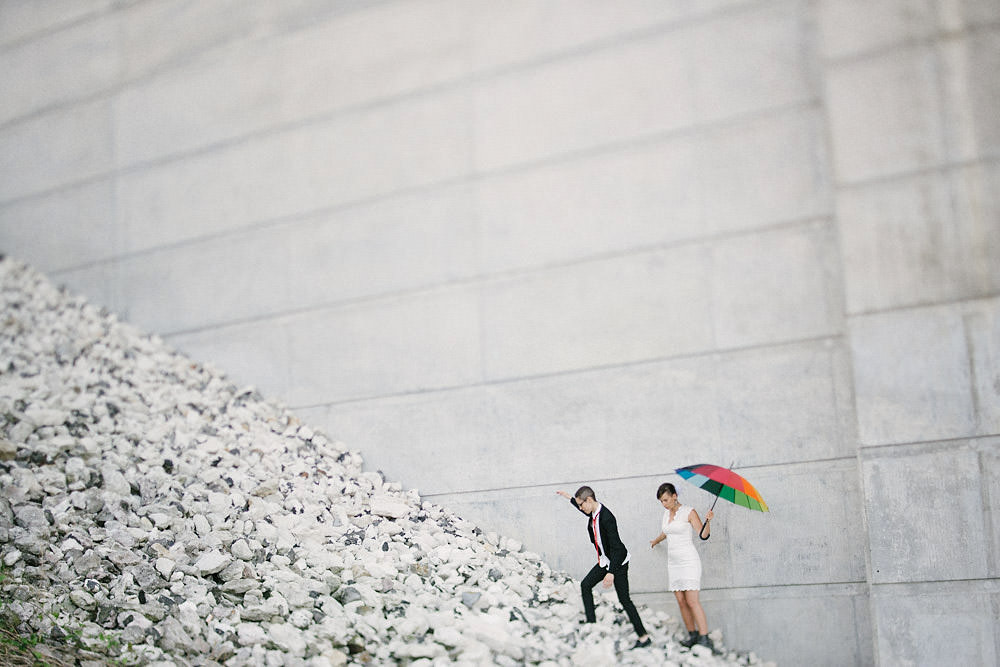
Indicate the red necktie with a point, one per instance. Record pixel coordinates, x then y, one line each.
595 540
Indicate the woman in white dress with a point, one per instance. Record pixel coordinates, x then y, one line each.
680 524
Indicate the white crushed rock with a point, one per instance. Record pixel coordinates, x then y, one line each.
155 513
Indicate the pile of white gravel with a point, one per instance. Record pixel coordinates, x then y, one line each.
151 512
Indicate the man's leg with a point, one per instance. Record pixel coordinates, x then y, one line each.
593 577
621 587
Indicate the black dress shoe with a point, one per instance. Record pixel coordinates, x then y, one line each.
642 643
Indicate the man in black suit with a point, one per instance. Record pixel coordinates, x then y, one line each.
612 559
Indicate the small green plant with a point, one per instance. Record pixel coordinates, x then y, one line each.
110 641
16 649
74 636
28 650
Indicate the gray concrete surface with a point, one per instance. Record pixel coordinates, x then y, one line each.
507 248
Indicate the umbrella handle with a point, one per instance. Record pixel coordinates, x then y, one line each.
704 525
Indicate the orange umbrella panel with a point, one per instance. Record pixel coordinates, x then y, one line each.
724 483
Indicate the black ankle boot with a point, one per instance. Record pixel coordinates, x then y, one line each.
705 641
692 638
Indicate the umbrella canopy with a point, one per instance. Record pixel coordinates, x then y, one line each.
724 483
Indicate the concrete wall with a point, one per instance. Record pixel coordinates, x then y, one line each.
508 248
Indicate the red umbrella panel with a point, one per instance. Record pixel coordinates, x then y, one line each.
724 483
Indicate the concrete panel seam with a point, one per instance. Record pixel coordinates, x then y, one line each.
575 371
847 586
597 46
154 72
608 148
830 166
941 169
985 584
910 43
986 160
310 215
974 442
481 279
918 305
59 27
988 525
757 466
970 354
825 589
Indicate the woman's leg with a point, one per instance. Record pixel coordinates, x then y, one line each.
686 614
697 613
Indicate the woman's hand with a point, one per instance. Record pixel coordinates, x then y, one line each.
708 515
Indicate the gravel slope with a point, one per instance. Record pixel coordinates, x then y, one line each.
151 512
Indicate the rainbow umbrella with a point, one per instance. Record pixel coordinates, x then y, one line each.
723 483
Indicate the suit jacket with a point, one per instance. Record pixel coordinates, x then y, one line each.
614 548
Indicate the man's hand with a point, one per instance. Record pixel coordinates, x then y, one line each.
609 580
563 494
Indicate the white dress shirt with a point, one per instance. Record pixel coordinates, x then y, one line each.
602 560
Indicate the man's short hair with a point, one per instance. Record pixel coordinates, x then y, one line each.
584 492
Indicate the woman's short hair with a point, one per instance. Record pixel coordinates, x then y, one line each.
666 487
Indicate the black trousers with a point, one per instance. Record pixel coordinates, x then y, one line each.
594 577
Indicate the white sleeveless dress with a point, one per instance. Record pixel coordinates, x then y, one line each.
683 562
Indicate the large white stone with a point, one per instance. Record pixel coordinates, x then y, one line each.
288 638
251 633
45 417
114 481
211 562
240 549
165 567
388 507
